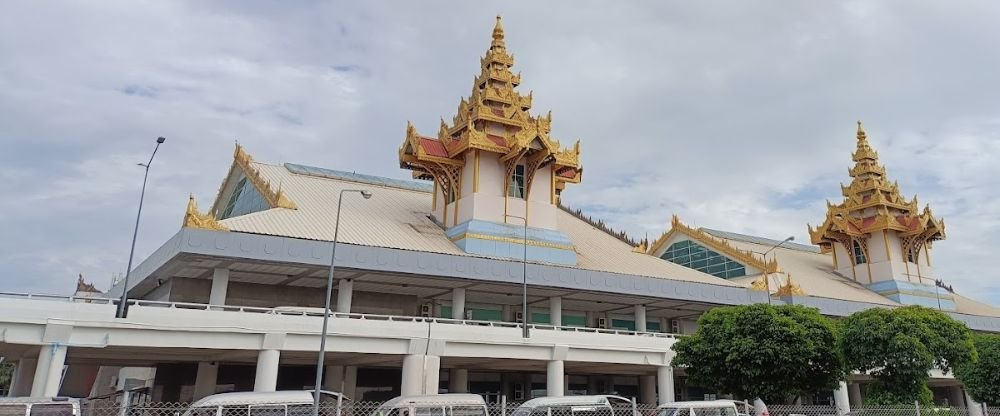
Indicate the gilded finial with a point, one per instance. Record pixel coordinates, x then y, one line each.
195 219
861 132
498 34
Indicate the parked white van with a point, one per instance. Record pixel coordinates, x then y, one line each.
434 405
597 405
274 403
39 406
705 408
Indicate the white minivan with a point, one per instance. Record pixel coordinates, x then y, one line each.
39 406
699 408
274 403
596 405
452 404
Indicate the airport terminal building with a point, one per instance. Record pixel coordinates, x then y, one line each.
429 273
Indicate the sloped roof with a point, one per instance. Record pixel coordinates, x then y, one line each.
397 217
813 271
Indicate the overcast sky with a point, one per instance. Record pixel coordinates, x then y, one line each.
734 115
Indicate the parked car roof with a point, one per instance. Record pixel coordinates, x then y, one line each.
451 398
249 397
699 404
571 400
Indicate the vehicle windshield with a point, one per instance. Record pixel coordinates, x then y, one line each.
700 411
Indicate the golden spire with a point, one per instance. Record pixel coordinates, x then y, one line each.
864 150
498 35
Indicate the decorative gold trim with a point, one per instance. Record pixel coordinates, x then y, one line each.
760 284
927 255
475 172
243 160
513 241
434 199
458 197
746 257
195 219
790 289
834 250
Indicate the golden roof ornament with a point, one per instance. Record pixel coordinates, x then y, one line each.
746 257
760 284
790 289
873 203
195 219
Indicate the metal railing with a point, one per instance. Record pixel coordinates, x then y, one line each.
318 312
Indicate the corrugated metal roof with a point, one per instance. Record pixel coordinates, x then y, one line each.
759 240
396 217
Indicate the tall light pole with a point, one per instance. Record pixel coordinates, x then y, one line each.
767 280
122 310
329 292
524 276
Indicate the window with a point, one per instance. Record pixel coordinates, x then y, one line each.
911 256
244 199
687 253
859 253
234 197
516 188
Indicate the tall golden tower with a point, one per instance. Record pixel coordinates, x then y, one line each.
880 239
494 163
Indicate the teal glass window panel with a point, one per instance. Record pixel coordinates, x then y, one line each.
574 320
623 324
540 318
693 255
516 188
487 315
445 312
652 327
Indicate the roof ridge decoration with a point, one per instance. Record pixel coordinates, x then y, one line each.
195 219
873 203
494 101
604 227
790 289
747 257
275 198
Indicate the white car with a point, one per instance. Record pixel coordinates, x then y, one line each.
597 405
434 405
39 406
701 408
274 403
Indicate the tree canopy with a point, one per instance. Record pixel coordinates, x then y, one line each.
772 352
982 378
898 347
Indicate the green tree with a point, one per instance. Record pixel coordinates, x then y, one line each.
772 352
982 378
6 372
898 347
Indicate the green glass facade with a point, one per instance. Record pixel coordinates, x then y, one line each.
690 254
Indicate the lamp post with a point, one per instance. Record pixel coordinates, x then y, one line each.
767 280
122 310
329 292
524 276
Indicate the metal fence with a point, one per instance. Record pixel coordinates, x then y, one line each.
113 407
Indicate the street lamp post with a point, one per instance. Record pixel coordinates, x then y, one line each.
767 279
329 292
524 277
122 310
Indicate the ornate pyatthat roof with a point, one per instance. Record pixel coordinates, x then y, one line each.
495 118
873 203
195 219
746 257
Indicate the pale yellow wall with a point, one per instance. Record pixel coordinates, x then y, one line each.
488 203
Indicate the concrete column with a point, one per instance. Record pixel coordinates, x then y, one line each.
591 318
205 380
48 370
220 287
20 386
640 318
854 394
345 291
665 384
841 399
975 408
956 396
555 310
267 370
421 374
458 380
554 379
508 313
647 390
350 381
333 378
458 303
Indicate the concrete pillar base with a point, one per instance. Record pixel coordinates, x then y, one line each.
458 380
555 379
267 371
421 374
665 384
841 399
205 380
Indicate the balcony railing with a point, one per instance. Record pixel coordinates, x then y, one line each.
318 312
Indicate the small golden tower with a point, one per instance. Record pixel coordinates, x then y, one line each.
495 163
877 237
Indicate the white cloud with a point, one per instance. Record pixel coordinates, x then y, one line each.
737 117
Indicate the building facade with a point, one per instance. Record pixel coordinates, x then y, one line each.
429 277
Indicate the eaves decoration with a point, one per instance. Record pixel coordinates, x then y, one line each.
746 257
274 196
195 219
